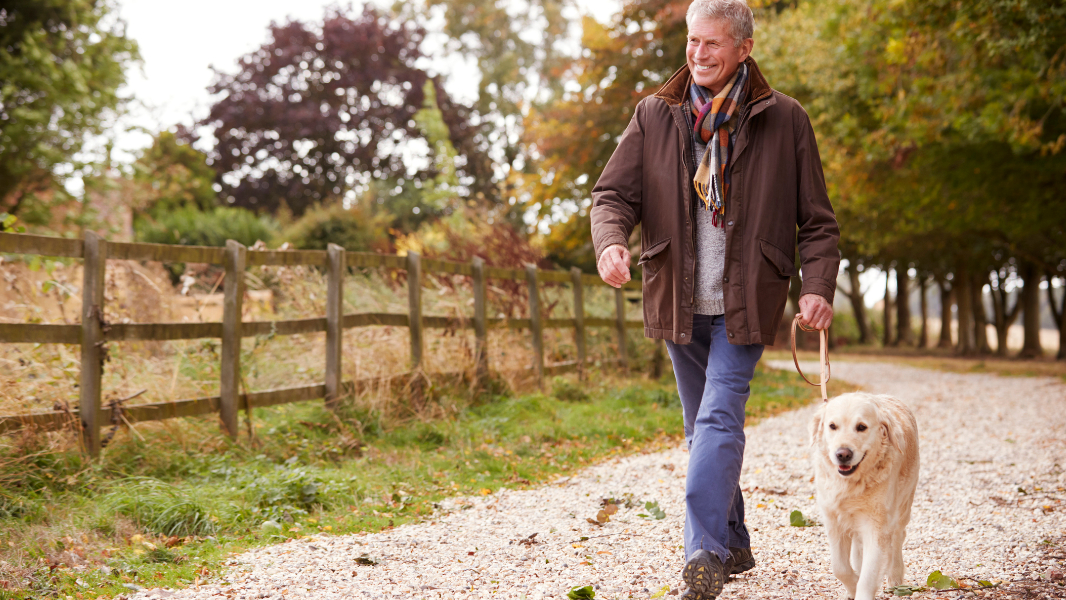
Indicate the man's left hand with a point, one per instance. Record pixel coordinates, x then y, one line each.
816 311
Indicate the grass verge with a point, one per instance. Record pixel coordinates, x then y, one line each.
169 502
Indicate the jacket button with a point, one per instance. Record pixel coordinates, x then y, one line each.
726 279
732 335
730 223
682 335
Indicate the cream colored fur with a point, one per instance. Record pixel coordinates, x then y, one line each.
866 511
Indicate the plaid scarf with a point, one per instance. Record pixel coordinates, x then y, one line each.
712 125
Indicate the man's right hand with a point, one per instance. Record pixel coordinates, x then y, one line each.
614 265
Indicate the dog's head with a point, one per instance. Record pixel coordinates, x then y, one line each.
852 429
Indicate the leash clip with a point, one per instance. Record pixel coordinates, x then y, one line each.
823 354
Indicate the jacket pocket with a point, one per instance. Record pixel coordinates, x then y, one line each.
785 266
653 258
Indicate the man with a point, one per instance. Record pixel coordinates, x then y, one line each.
723 174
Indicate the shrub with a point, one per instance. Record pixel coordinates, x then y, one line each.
189 226
354 229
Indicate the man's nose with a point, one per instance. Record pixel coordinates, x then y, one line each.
844 455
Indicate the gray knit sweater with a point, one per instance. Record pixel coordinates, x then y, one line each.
710 245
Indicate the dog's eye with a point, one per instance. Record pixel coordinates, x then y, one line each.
860 427
833 426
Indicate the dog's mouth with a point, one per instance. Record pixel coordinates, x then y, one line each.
847 470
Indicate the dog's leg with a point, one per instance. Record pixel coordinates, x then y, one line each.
876 549
840 548
895 565
856 555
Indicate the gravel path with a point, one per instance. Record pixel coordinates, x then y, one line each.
991 490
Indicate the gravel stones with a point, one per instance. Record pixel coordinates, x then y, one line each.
991 492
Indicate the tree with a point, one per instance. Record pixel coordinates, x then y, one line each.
61 65
319 112
171 174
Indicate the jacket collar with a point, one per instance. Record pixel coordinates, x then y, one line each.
675 90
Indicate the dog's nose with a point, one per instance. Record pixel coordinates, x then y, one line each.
844 456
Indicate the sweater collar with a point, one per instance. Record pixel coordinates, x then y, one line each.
675 90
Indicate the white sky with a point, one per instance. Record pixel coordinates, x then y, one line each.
179 42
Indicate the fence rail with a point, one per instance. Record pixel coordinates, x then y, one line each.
92 333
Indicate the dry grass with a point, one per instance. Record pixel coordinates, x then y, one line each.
37 377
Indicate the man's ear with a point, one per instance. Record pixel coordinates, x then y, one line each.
816 426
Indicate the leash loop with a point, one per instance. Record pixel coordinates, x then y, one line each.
823 355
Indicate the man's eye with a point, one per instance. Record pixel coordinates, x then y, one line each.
833 426
860 427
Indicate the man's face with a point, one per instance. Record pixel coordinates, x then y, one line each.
712 57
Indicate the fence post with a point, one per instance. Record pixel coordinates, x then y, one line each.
232 306
92 340
620 323
334 318
579 320
414 323
481 339
535 324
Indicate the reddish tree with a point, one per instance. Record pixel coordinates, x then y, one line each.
319 110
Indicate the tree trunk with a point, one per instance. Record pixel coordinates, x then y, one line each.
923 335
886 339
1030 310
1002 312
967 345
946 302
1058 309
858 307
904 334
980 315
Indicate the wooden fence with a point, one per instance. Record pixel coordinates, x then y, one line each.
93 332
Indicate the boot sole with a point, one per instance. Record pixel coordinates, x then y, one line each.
704 578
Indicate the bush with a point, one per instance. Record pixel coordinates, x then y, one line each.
354 229
190 226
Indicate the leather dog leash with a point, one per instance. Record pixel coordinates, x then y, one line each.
823 354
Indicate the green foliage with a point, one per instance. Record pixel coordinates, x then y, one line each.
939 581
796 519
654 512
159 507
172 175
190 226
286 492
358 229
61 64
564 389
581 593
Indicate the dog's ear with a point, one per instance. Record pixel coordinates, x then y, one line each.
816 426
891 431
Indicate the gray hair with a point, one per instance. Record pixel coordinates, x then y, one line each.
736 12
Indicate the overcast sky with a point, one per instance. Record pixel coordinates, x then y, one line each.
179 43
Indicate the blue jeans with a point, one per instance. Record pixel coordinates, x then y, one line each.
713 380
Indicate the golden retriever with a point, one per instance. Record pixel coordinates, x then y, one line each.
865 472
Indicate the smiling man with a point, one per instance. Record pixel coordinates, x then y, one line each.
723 174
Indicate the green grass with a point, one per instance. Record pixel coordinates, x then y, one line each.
168 509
